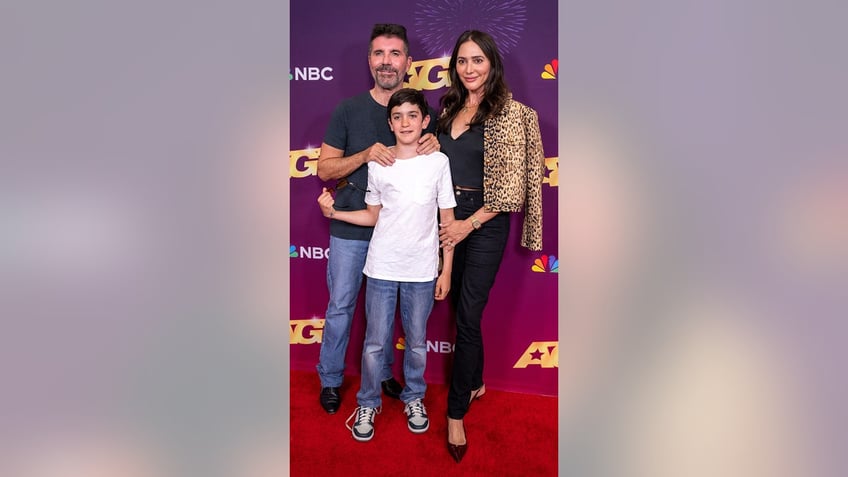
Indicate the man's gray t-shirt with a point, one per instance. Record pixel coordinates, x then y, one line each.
356 124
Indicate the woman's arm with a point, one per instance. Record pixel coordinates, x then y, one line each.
455 231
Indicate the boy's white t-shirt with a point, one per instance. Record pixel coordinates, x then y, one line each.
405 243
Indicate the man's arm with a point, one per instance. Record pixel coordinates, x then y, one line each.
333 165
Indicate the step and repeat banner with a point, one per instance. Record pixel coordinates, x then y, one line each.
329 48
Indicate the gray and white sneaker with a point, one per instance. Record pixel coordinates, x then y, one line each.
416 416
363 425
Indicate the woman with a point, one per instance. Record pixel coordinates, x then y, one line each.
497 165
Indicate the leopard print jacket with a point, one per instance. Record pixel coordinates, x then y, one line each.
513 168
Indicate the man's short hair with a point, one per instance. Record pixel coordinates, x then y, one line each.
408 95
390 30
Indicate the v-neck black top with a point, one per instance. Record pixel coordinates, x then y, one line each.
466 156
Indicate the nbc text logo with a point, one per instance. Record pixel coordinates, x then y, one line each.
306 331
311 73
440 347
314 253
540 353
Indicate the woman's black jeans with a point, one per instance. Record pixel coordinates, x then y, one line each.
475 264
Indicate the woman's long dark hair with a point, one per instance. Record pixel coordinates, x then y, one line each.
495 91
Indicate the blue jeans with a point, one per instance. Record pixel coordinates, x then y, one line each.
344 279
416 302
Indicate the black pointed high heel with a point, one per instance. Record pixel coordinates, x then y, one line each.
457 451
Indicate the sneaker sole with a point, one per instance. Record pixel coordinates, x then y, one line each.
416 430
363 439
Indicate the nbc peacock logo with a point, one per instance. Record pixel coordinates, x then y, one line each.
293 251
551 69
401 343
546 263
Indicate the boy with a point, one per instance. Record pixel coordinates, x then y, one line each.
402 257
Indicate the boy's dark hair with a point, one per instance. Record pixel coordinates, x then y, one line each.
389 29
408 95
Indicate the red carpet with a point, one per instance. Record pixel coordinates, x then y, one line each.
508 434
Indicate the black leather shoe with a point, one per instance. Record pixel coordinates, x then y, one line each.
330 399
391 388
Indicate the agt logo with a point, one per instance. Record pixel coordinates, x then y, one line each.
304 162
306 331
311 73
427 75
551 70
546 263
540 353
439 347
315 253
551 172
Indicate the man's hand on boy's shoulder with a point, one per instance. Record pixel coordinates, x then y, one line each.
428 144
380 154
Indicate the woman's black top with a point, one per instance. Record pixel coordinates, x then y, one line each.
466 156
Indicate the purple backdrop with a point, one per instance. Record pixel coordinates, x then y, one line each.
329 63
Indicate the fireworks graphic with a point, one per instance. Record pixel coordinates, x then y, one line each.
439 23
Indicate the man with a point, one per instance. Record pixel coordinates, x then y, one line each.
358 134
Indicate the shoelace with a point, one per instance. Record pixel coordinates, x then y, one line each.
415 409
363 415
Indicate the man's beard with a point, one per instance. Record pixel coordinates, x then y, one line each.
386 83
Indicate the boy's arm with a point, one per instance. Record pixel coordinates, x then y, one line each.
366 217
443 283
